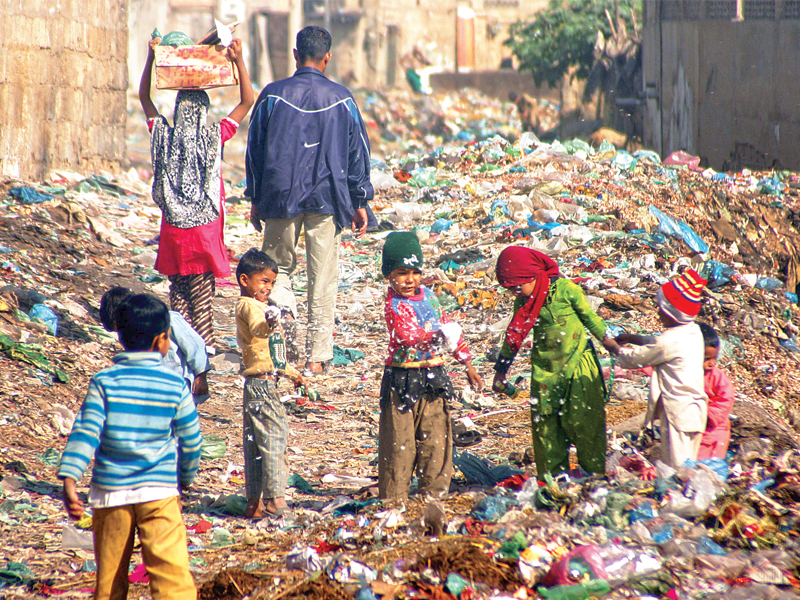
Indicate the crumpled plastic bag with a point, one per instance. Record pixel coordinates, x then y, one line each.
15 573
62 419
28 195
492 508
30 354
678 229
213 447
345 356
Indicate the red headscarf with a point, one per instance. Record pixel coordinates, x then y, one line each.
515 266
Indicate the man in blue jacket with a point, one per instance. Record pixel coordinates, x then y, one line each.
308 167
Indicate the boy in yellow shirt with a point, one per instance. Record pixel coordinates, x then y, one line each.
266 428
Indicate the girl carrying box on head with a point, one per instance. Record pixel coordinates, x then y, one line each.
188 188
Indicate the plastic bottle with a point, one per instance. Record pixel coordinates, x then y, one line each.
510 390
595 588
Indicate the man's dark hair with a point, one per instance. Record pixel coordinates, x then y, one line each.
140 319
710 337
109 304
313 43
254 261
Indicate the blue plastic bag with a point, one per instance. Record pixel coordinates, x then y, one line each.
492 508
706 545
28 195
645 511
717 273
678 229
769 284
718 465
440 225
43 314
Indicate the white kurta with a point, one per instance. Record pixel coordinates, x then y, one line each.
677 381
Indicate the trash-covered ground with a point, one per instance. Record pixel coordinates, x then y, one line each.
619 224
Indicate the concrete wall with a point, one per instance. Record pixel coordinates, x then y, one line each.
726 90
497 84
392 28
63 78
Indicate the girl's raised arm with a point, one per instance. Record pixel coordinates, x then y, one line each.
150 110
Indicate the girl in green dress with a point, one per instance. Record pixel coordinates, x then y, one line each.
567 389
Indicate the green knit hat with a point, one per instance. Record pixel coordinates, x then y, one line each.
401 249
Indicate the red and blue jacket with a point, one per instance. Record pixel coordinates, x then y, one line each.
412 323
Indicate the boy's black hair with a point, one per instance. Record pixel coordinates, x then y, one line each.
109 304
253 261
313 43
140 319
710 337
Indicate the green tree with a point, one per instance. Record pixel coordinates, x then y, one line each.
562 37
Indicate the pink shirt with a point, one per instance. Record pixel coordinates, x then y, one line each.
717 436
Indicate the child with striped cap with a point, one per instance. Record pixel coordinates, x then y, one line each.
677 397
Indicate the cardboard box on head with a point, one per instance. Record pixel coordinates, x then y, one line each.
194 68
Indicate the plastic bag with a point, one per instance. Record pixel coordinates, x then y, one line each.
678 229
683 159
582 562
624 161
304 559
213 447
717 273
440 225
44 314
769 284
492 508
381 180
528 492
73 538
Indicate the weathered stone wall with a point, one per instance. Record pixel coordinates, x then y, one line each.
63 80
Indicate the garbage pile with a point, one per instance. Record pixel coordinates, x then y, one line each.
399 119
618 223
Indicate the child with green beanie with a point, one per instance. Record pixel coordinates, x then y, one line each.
415 430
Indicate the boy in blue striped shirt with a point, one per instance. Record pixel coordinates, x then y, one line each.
139 423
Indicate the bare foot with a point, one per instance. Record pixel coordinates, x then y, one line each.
254 508
315 367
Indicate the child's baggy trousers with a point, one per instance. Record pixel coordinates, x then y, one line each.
162 534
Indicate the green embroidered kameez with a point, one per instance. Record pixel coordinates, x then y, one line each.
567 390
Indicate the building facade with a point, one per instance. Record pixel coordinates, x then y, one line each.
371 37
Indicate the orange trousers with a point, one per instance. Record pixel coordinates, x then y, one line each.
162 534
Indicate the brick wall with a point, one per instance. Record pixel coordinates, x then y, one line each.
63 77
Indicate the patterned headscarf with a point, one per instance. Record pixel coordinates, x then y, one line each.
516 266
186 163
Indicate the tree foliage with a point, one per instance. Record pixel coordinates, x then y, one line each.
563 35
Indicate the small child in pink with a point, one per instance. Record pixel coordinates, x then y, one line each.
719 389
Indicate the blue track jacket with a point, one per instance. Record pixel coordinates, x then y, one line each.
307 150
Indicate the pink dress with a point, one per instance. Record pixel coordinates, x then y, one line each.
197 250
717 436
